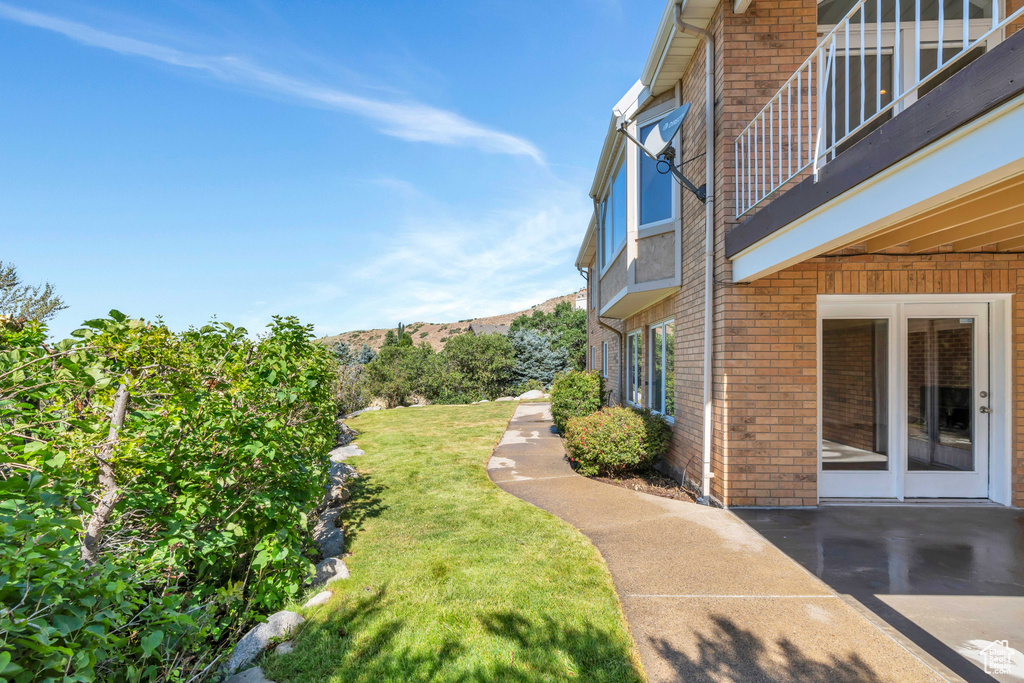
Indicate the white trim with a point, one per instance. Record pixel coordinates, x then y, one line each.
978 154
1000 352
638 335
650 366
659 228
604 360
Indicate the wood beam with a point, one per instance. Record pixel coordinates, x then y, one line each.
1008 233
1004 195
976 228
1011 245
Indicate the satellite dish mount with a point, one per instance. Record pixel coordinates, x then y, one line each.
658 146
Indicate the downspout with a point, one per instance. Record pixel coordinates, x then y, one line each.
709 242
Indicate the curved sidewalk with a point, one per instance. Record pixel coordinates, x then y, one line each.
706 597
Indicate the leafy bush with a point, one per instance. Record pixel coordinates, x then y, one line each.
351 391
536 358
608 441
657 433
476 364
574 394
221 453
566 326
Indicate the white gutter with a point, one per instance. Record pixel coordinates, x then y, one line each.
709 242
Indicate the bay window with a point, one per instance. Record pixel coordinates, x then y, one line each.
613 218
655 187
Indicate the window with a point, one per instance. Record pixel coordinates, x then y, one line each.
655 187
663 366
604 361
613 218
593 358
634 356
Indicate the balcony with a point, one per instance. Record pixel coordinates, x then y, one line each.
879 132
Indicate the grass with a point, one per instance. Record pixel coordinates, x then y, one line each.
452 578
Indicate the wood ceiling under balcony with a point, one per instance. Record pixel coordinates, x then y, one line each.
990 219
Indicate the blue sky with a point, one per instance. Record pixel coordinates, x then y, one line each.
353 163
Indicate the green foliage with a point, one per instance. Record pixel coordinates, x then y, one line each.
480 364
25 302
222 453
365 356
342 353
536 358
606 442
574 394
351 391
400 371
567 329
390 339
656 433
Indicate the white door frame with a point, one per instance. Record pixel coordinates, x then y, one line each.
891 483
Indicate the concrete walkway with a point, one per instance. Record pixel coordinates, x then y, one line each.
707 598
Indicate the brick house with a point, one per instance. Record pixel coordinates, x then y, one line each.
865 210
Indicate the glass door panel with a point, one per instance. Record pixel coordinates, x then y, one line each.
946 400
854 395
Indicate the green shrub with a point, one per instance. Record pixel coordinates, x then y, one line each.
657 433
222 453
606 442
574 394
614 440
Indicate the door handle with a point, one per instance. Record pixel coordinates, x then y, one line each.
985 410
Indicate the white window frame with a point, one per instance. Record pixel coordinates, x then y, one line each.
654 115
634 397
606 260
593 357
604 360
650 366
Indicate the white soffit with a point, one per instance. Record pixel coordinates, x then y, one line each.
671 52
588 249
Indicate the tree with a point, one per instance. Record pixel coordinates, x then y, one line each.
342 353
400 371
365 355
536 358
478 363
390 339
567 329
18 300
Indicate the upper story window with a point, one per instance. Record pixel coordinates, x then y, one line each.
655 187
613 218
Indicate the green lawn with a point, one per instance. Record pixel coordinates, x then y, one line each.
452 578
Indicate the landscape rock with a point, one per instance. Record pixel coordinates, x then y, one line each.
397 407
287 647
418 405
531 394
253 675
278 625
318 599
504 398
364 410
331 569
343 452
327 535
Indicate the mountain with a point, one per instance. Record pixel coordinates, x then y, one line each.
436 334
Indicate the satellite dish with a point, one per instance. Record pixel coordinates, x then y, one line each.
660 139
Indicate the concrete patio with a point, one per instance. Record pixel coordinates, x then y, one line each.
707 598
947 580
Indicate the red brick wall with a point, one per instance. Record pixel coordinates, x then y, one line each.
767 407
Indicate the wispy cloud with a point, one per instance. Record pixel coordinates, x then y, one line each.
413 121
441 266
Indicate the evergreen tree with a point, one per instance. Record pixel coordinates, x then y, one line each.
536 357
567 328
390 339
342 353
365 355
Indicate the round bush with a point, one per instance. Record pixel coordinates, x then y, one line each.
575 394
606 442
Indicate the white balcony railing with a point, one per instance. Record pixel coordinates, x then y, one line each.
863 72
